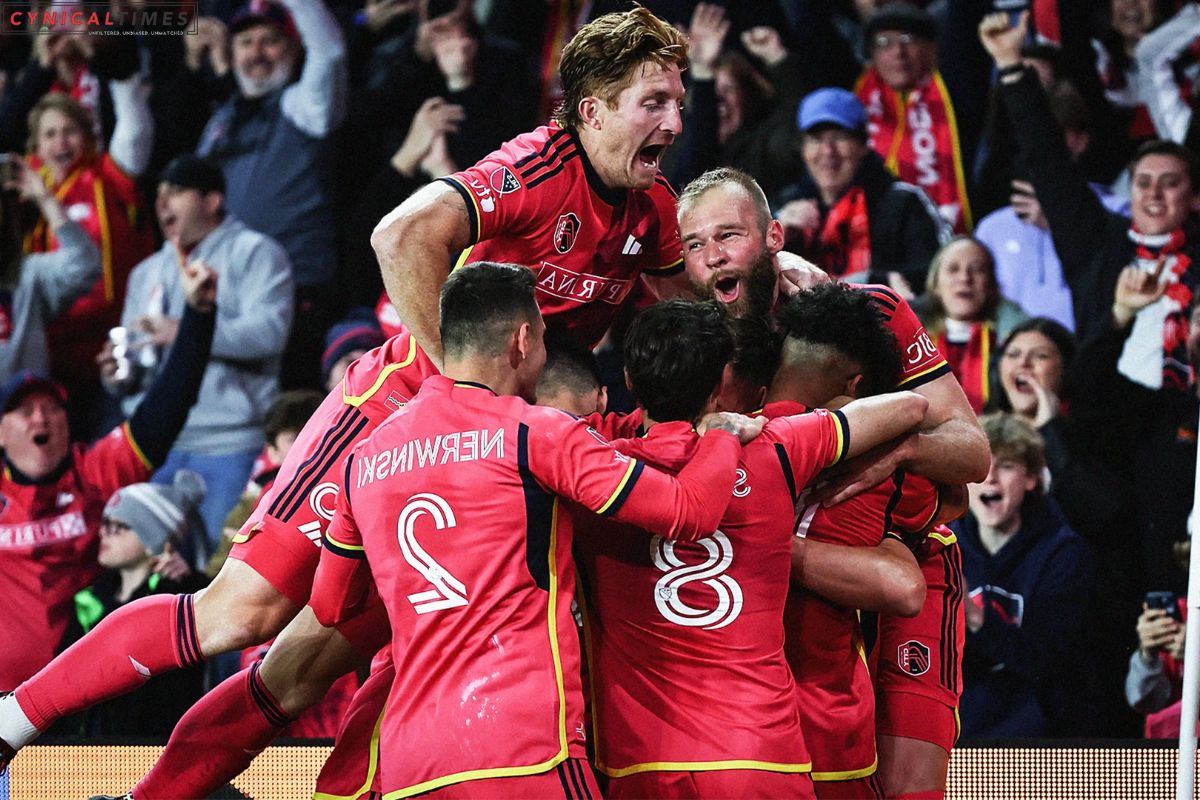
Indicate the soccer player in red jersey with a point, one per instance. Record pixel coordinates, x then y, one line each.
727 233
839 345
478 584
729 239
671 624
52 492
581 202
619 121
918 677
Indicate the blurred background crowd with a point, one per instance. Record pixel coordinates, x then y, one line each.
893 145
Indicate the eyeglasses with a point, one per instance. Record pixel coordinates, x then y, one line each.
883 41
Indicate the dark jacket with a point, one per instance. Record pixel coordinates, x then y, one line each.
153 709
905 227
1092 242
1035 595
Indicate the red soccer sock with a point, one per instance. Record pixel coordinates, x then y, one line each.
144 638
216 740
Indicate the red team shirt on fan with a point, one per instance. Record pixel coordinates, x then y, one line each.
537 201
48 544
454 502
684 640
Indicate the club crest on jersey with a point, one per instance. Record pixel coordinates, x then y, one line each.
503 181
565 232
913 657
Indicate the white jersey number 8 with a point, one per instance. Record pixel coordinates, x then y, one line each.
447 591
711 571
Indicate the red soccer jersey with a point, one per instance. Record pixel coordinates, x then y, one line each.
454 503
48 543
824 644
685 642
537 201
920 361
297 508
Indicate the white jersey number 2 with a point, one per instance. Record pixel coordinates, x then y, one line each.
711 572
448 591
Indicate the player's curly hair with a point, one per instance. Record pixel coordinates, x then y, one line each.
481 302
675 352
602 58
851 322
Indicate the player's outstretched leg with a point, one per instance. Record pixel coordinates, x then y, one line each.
145 638
218 737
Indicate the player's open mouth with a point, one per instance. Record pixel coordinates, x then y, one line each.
990 498
728 289
1022 384
650 155
41 439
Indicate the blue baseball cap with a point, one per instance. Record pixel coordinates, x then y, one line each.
832 106
25 382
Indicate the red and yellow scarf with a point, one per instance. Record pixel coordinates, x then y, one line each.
970 361
842 246
917 135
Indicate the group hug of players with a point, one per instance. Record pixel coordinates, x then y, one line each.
720 573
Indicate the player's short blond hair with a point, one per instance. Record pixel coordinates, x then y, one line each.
603 58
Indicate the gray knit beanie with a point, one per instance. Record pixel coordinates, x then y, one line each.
157 513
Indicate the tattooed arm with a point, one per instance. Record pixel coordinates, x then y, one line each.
414 244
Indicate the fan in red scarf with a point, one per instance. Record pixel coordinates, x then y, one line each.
911 117
1156 292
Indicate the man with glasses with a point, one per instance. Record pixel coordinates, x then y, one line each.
911 119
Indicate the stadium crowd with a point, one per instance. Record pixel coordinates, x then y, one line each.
946 228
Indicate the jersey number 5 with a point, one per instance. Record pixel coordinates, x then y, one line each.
711 571
448 591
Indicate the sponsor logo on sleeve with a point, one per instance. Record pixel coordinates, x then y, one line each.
487 203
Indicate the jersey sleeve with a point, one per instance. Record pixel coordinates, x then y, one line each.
576 462
669 258
115 461
920 360
343 578
499 199
808 443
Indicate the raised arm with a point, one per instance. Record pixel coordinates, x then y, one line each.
884 578
316 104
1076 216
1156 55
414 244
133 133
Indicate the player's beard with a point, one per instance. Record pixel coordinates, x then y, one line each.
757 296
259 87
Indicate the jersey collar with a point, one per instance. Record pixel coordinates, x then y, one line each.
614 197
